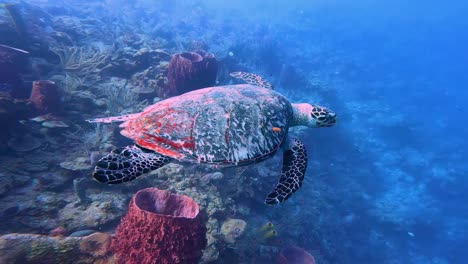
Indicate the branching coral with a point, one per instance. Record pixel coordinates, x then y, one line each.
81 65
84 141
120 98
72 82
80 60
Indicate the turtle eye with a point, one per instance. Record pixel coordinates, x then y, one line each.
317 113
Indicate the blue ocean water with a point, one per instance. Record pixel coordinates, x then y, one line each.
385 185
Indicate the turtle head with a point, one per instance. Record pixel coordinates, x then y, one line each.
313 116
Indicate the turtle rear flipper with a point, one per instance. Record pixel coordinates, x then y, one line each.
113 119
126 164
292 175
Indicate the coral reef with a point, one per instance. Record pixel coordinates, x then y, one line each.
97 245
160 227
82 66
105 208
189 71
120 98
152 81
37 249
379 171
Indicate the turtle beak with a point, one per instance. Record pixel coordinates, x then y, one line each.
332 119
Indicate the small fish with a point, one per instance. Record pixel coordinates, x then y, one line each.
276 129
411 234
270 234
266 227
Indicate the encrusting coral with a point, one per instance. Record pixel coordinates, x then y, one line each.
232 229
37 249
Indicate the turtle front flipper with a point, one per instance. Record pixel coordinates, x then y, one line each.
292 175
126 164
253 79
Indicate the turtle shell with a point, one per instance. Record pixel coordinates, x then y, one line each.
225 124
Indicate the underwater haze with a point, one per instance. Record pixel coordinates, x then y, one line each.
386 184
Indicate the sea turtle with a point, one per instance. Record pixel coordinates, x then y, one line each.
226 125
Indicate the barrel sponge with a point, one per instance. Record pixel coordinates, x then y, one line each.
160 227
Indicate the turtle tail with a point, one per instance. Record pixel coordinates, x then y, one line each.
126 164
113 119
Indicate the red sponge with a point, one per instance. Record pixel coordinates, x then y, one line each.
160 227
45 97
